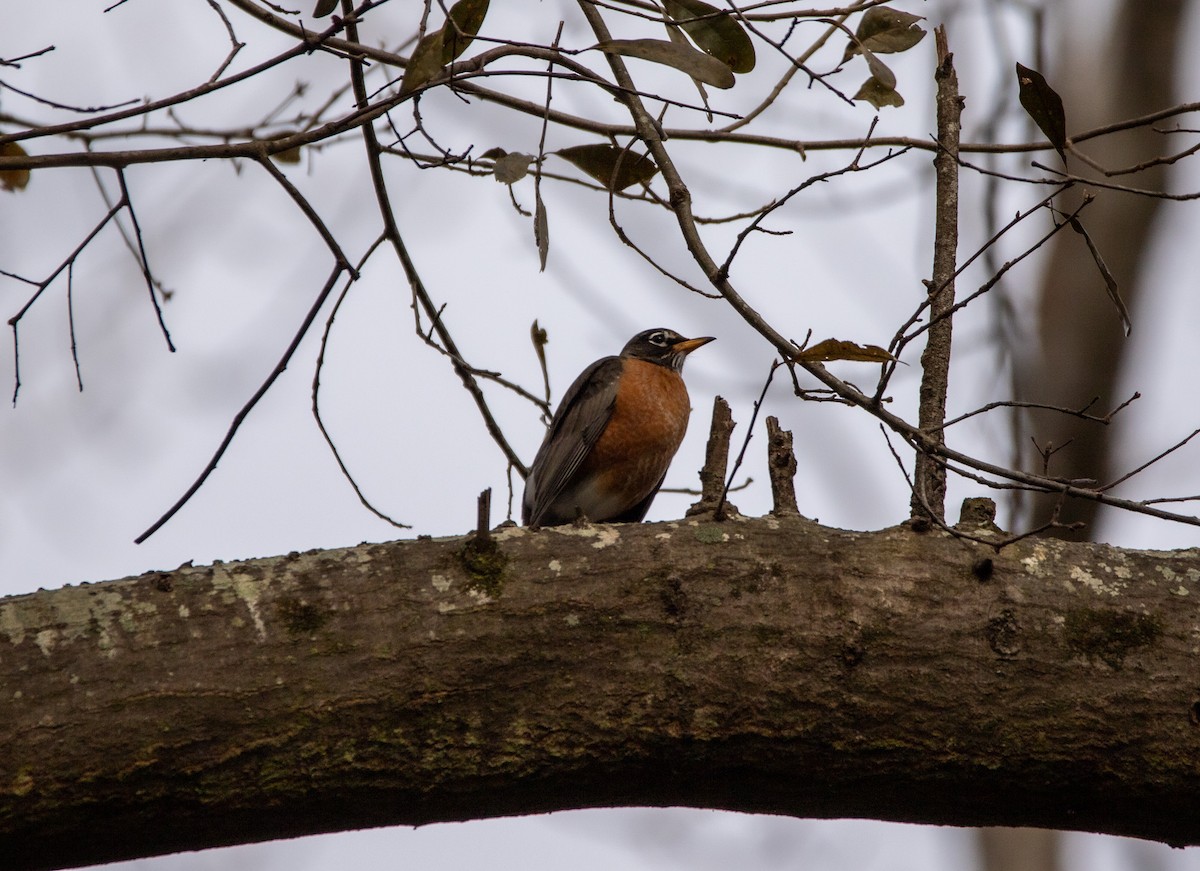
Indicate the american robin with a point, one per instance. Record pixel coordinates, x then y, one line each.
613 436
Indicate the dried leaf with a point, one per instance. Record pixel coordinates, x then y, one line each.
615 168
440 47
291 155
714 31
1044 106
695 63
539 337
878 94
493 153
425 63
541 229
676 36
13 179
513 167
324 7
463 22
838 349
885 31
881 71
1110 281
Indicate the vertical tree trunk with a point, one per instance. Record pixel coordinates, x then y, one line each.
1081 345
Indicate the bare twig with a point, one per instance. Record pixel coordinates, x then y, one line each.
241 416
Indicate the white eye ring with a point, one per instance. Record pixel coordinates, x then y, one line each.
659 338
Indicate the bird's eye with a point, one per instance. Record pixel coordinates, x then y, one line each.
659 338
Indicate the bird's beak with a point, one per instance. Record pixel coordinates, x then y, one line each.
689 345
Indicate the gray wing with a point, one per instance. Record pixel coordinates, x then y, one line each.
580 419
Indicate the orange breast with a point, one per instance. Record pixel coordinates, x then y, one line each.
646 429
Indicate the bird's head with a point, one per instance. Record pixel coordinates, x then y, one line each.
662 346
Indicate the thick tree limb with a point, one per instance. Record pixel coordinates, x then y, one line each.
767 665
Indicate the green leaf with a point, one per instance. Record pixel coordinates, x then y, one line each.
464 21
839 349
885 31
695 63
1044 106
615 168
13 179
879 94
714 31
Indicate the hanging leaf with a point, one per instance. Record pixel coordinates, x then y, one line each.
324 7
676 36
442 46
510 168
615 168
462 24
838 349
1044 106
425 63
13 179
541 229
695 63
879 94
885 31
714 31
291 155
1110 280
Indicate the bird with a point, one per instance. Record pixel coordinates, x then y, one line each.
613 435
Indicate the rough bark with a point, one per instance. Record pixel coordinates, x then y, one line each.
929 475
768 665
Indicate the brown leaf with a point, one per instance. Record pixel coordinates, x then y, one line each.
676 36
695 63
463 22
1110 280
878 94
615 168
324 7
541 229
715 31
425 62
885 31
838 349
13 179
291 155
1044 106
511 168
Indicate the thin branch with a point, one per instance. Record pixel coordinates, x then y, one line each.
316 388
242 414
142 260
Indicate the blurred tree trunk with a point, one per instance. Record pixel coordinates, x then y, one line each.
1080 343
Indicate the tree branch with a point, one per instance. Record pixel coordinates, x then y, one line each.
929 476
771 665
